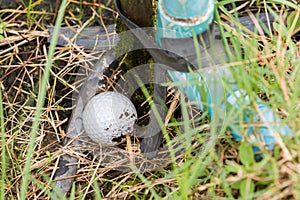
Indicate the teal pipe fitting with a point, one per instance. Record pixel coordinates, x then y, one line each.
179 19
183 18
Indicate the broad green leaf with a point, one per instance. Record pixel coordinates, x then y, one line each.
246 154
232 168
246 187
290 20
236 185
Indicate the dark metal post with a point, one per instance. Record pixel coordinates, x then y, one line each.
141 13
138 11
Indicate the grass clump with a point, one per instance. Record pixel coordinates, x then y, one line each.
214 165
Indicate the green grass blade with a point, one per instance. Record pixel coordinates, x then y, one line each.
40 102
3 148
285 2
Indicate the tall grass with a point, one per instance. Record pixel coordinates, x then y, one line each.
267 65
214 166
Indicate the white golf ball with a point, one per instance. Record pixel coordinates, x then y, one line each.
108 115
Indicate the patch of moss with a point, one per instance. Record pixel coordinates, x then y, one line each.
133 59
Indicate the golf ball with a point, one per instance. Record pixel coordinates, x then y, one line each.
108 116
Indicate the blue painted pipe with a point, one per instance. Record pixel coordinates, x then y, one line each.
179 19
182 18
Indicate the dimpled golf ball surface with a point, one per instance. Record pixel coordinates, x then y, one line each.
108 115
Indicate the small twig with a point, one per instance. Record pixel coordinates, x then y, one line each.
129 149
